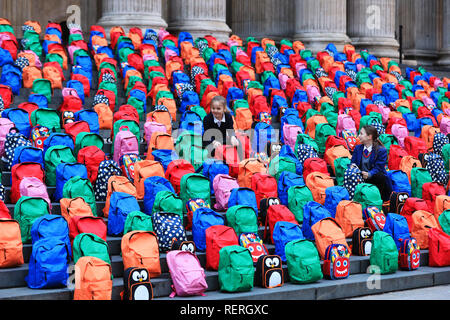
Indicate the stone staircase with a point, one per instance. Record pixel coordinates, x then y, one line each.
14 287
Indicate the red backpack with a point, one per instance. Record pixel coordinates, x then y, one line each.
176 170
277 213
314 165
438 248
91 157
334 141
218 237
415 146
430 191
396 153
4 211
7 95
412 205
87 224
20 171
230 156
265 186
74 128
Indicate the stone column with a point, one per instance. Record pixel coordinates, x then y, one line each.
17 12
199 18
320 22
132 13
371 25
263 18
445 32
420 30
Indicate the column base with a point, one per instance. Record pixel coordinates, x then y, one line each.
127 21
444 59
218 29
423 57
378 46
316 42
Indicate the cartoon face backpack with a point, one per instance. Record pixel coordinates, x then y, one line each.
409 255
337 262
269 272
137 285
362 241
254 244
374 219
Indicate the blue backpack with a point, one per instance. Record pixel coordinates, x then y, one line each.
398 181
411 121
56 139
38 99
299 96
121 204
50 226
78 86
20 118
168 227
152 186
202 219
64 172
234 93
28 154
49 262
271 83
397 226
165 157
189 98
262 135
211 168
12 77
283 232
312 213
91 117
5 57
243 196
334 195
288 179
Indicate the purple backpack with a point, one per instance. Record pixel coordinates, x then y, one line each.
222 185
188 276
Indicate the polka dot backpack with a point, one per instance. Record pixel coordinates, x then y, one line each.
436 168
352 177
106 169
168 228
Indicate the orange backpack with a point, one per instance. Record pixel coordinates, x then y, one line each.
349 216
105 116
119 184
421 222
171 105
93 279
162 117
407 163
317 182
247 168
337 151
427 134
243 119
74 207
441 204
10 244
144 169
29 75
54 75
312 123
327 231
159 141
140 249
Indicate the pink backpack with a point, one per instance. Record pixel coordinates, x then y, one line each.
400 132
384 113
34 187
345 122
5 127
188 276
69 92
428 101
312 93
125 142
290 133
152 126
222 185
445 125
283 78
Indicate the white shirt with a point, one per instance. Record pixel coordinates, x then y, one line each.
369 149
218 122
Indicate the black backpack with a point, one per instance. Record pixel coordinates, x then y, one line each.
269 272
396 201
362 241
137 285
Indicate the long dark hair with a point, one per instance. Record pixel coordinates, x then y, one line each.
372 131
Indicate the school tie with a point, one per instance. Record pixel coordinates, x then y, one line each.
366 153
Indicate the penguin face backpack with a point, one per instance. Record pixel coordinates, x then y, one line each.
137 285
269 272
337 262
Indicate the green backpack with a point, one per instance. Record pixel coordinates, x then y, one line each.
89 244
167 201
26 211
278 165
368 195
445 151
110 86
42 87
55 57
340 165
53 156
419 176
303 262
444 221
370 119
87 139
138 105
384 254
303 138
388 140
138 221
323 131
242 219
79 187
46 117
236 270
298 196
195 186
332 117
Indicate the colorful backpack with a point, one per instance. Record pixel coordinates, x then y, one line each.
106 169
336 264
191 206
362 241
254 244
137 284
374 219
168 226
409 255
269 272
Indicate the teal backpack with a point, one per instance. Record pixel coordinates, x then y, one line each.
243 219
303 261
79 187
138 221
195 186
298 196
54 156
384 254
236 270
368 195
